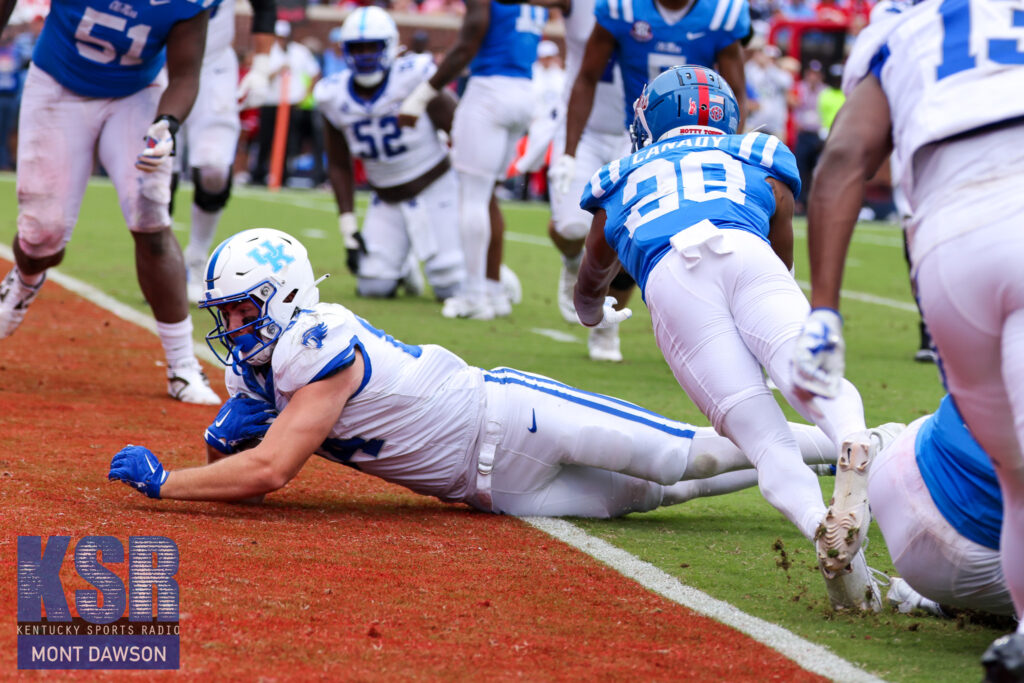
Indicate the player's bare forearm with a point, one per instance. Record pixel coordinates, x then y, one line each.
293 437
599 266
186 42
859 141
599 49
339 168
780 227
474 27
213 455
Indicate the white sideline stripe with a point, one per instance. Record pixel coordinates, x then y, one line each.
123 311
814 658
867 298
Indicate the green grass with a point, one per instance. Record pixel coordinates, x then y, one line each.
726 546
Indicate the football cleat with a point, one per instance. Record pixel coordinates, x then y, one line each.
566 285
854 589
15 297
603 344
846 522
510 283
883 435
1004 659
500 303
188 383
472 307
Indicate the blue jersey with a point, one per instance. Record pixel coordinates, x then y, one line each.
510 46
109 48
646 45
959 476
654 193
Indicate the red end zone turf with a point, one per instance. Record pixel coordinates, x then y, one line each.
339 575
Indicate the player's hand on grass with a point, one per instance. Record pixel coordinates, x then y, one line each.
158 145
819 358
240 419
138 467
355 247
609 316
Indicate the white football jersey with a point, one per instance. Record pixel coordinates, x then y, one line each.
946 68
392 155
220 33
414 421
606 116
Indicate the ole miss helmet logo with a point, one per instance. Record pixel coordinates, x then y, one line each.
692 111
716 113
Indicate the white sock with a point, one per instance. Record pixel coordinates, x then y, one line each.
204 225
177 341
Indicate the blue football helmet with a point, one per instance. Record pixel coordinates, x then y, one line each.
684 100
272 270
369 41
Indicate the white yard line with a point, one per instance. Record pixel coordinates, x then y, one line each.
814 658
808 655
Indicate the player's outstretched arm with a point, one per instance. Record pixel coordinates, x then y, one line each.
296 433
596 54
441 111
859 141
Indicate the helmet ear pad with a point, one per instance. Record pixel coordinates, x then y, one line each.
688 97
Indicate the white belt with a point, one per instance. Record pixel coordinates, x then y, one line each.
485 463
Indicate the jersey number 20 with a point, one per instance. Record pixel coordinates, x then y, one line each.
703 176
84 40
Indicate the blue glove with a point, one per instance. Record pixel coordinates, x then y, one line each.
138 467
240 419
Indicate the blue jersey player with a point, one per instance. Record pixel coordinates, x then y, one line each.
701 218
646 37
97 86
498 42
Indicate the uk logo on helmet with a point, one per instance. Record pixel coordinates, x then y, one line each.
273 256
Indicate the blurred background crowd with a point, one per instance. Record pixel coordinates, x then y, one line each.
794 68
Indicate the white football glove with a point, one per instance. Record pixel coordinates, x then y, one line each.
611 317
819 356
254 85
158 146
415 104
560 174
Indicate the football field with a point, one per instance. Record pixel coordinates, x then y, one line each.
733 548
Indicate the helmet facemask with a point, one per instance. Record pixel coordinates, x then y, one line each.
368 61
